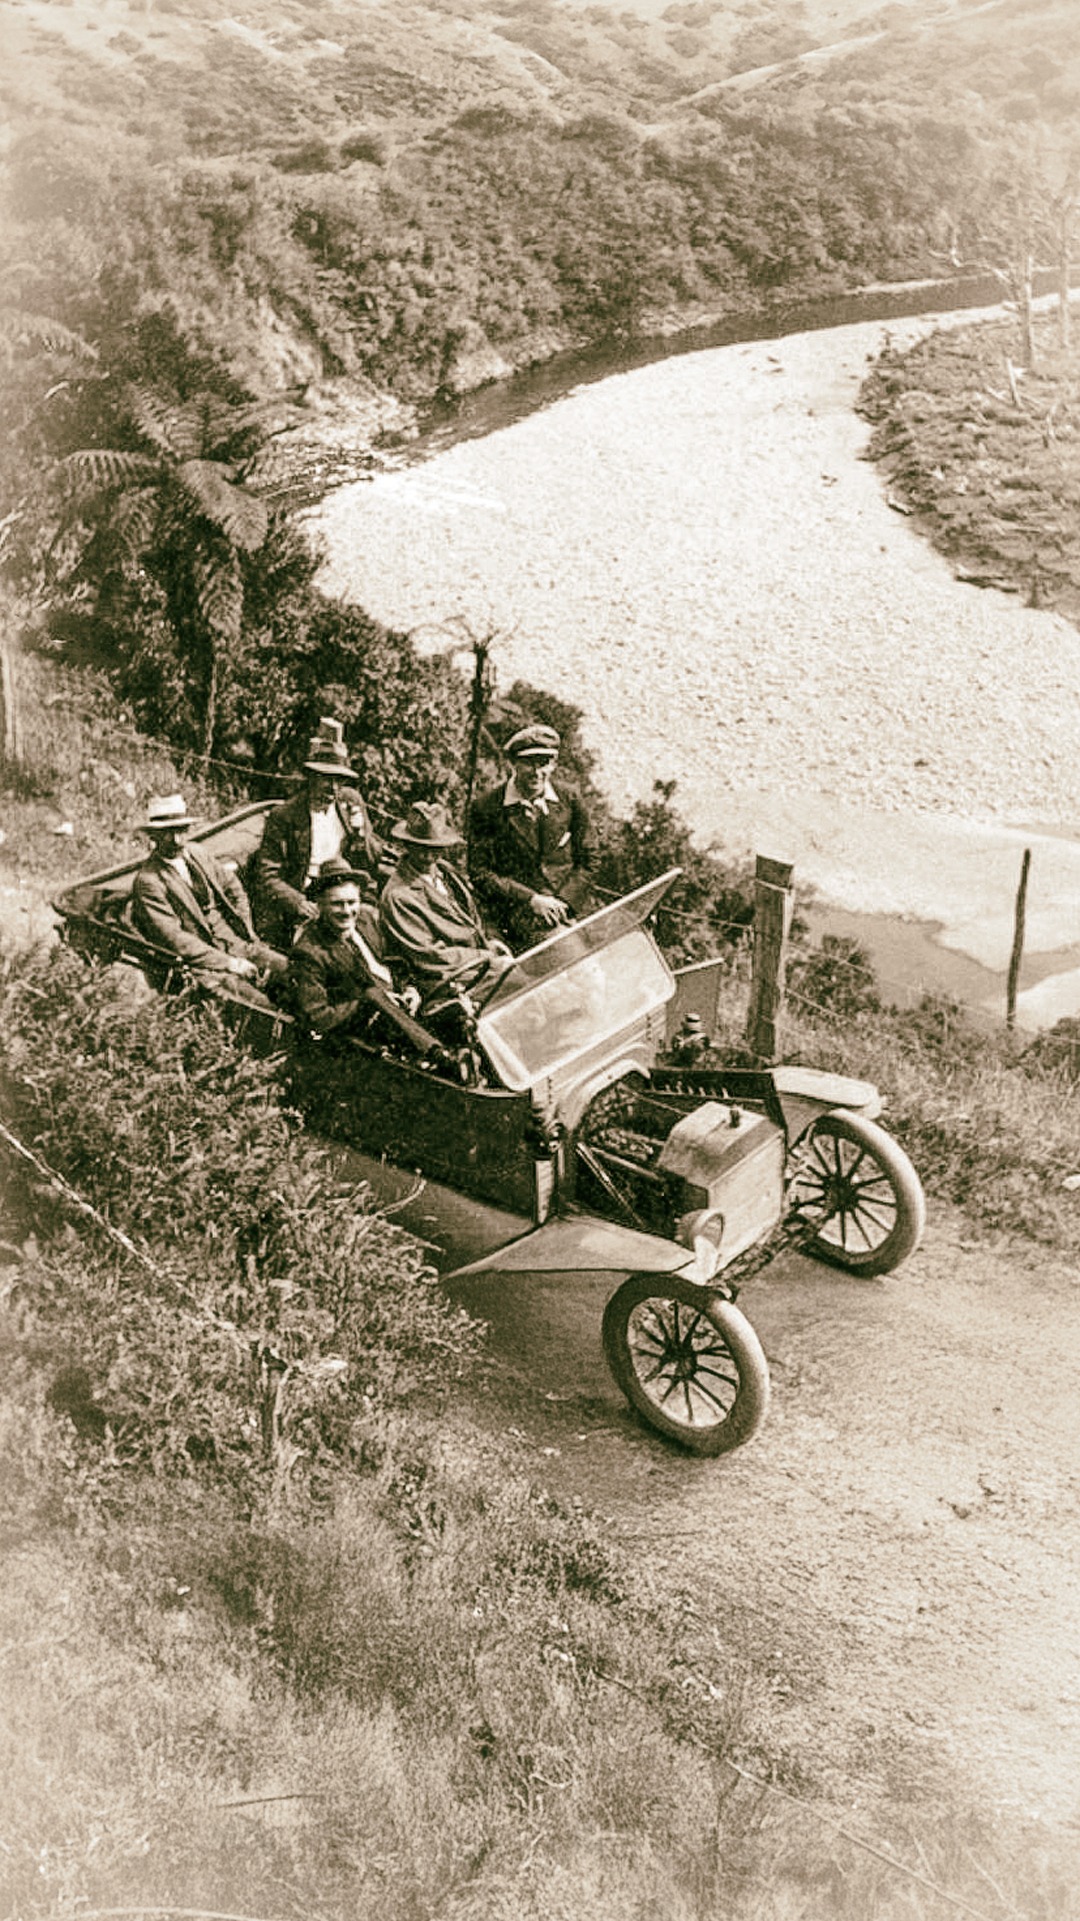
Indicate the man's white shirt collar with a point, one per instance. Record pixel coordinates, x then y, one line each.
512 797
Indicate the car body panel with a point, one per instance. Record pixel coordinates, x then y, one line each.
581 1244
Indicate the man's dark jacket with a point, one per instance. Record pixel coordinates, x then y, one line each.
280 867
330 982
329 977
515 852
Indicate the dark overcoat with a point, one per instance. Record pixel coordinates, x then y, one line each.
280 867
329 977
515 852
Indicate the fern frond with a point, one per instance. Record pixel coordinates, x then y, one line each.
20 329
135 517
96 468
174 427
269 471
222 423
240 516
219 591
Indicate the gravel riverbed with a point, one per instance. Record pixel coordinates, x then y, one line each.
698 556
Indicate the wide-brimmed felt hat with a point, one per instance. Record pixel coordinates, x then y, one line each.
427 824
165 811
535 742
327 752
331 873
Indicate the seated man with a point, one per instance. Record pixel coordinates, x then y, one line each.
531 847
183 899
336 971
326 820
429 919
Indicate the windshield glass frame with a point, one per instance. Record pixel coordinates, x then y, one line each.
568 944
592 1000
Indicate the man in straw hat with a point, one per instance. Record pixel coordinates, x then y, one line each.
326 821
184 900
430 921
531 847
337 974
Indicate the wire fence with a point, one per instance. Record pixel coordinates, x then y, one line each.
738 932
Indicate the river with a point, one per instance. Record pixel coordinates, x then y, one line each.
691 548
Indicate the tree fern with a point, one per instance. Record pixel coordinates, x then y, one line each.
181 510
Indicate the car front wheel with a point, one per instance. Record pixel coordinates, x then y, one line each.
688 1361
860 1183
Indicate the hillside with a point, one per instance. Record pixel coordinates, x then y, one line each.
423 196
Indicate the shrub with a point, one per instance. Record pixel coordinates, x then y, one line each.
178 1137
364 146
837 980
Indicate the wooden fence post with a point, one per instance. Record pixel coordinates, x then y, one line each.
9 708
1017 954
772 921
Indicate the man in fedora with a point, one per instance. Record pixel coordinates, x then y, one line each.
531 848
430 921
337 973
326 821
184 900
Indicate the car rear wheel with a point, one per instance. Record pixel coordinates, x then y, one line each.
688 1361
861 1184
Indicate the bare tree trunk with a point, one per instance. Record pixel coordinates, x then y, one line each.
211 700
1024 291
9 707
1064 239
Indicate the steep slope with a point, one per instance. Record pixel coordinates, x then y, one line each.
425 195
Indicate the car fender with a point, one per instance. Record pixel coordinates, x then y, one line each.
581 1244
805 1093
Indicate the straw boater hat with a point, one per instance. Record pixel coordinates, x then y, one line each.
536 742
331 874
165 811
427 824
327 753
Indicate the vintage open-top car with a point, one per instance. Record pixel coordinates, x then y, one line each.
588 1138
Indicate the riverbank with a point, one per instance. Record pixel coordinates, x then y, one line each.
698 555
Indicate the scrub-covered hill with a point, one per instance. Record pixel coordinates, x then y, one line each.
424 195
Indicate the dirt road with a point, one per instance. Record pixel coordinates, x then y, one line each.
897 1552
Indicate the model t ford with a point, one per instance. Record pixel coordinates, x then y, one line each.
601 1148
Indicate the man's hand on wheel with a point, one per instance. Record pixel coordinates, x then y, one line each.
549 909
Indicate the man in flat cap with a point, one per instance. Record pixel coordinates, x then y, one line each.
183 899
337 973
430 922
326 821
531 848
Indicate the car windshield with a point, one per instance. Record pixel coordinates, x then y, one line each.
598 930
596 996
